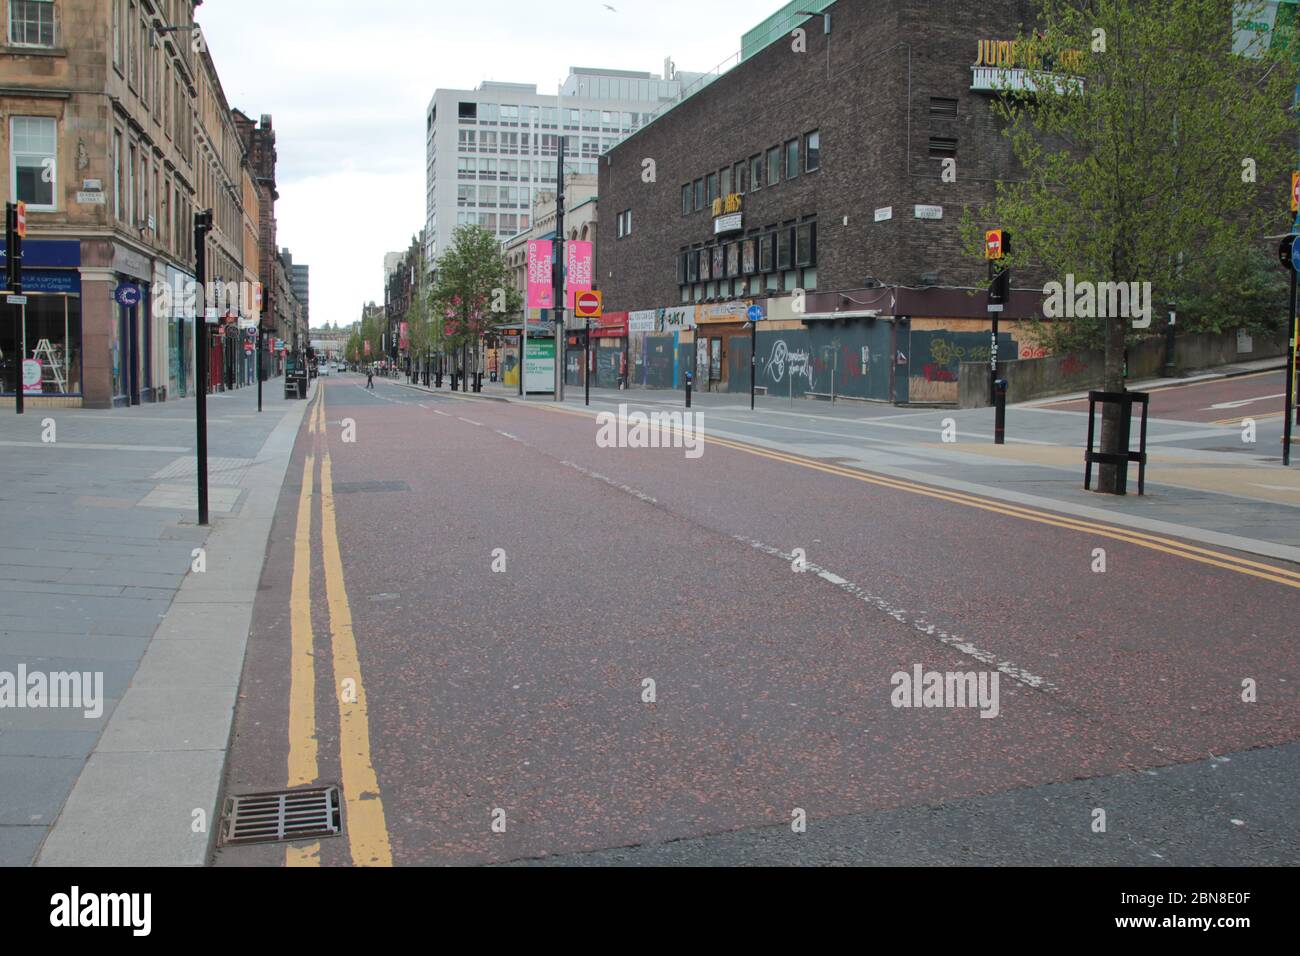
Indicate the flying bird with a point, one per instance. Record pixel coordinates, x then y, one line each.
609 8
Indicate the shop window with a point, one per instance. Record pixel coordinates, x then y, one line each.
33 161
49 336
706 260
812 151
749 256
692 266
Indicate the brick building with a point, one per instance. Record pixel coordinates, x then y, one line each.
813 171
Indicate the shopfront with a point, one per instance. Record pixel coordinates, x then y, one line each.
44 349
131 328
718 327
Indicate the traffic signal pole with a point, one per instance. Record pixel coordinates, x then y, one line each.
202 225
1290 378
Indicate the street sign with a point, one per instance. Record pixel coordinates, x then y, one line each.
16 299
248 346
588 305
1295 192
1284 251
1295 256
22 219
755 313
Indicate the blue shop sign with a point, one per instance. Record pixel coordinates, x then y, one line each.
47 253
66 281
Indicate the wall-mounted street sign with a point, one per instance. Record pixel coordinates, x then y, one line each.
16 300
588 305
91 198
929 212
755 313
22 219
884 213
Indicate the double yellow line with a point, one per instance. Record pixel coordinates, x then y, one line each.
366 826
1190 552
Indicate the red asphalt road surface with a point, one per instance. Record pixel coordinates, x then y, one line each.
1259 395
523 690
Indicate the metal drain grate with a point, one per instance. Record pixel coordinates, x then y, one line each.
281 816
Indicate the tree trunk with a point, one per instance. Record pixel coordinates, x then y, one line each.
1111 429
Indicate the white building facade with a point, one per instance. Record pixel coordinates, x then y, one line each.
489 151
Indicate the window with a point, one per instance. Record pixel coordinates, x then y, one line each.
130 185
117 34
741 167
699 194
117 175
942 147
812 151
468 110
755 173
792 159
726 181
805 245
31 22
627 219
713 188
33 161
686 199
766 249
784 250
944 106
774 165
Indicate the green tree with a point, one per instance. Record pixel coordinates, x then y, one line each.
1151 153
472 293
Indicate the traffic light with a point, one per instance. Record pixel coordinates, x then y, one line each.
997 246
13 247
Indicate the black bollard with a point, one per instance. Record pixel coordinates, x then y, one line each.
1000 412
690 378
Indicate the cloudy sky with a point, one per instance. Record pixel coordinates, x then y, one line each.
347 84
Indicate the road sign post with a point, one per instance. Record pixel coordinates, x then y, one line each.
1288 253
587 305
15 232
997 246
202 225
755 315
558 273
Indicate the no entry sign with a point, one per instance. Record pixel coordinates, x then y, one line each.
587 305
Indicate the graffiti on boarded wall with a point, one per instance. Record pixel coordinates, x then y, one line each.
936 360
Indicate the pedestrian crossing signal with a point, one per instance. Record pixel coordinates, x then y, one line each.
994 244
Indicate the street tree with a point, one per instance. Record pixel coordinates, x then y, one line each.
1152 152
472 292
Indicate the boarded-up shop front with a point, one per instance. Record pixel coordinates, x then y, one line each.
660 347
843 357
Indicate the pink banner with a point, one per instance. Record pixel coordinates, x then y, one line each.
578 274
540 293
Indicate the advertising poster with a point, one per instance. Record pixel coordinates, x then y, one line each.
540 292
539 365
578 255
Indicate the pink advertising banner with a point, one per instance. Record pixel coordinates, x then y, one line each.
578 274
540 292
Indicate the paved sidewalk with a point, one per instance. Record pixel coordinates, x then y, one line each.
97 535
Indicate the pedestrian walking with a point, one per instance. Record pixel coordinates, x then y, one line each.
370 377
